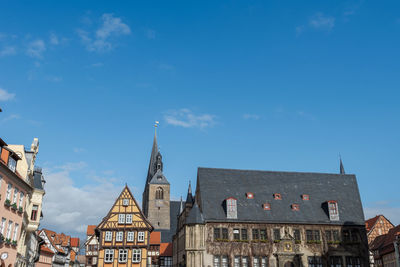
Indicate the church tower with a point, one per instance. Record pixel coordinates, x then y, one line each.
156 195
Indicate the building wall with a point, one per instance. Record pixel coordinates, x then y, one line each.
44 261
7 212
159 210
381 227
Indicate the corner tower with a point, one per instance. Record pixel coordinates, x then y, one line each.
156 195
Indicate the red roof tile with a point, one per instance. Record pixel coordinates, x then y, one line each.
74 242
155 238
371 222
90 229
166 249
43 248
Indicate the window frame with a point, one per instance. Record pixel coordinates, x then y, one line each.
108 236
130 216
136 252
121 218
124 254
119 237
107 254
130 236
141 236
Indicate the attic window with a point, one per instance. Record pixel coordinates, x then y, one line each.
295 207
249 195
231 208
267 206
277 196
305 197
333 210
125 202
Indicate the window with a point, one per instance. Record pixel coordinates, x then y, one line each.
21 199
249 195
335 261
236 261
217 261
224 260
231 208
267 206
109 255
236 234
328 235
128 218
136 255
346 235
122 255
159 193
244 234
125 202
141 236
165 261
313 236
333 210
316 235
2 225
15 232
245 261
225 233
353 262
305 197
12 164
263 234
277 234
255 234
217 233
277 196
314 261
121 218
336 236
309 235
354 235
296 234
34 212
108 236
295 207
15 197
264 262
256 262
130 237
120 236
8 194
8 235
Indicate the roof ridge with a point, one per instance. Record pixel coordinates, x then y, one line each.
228 169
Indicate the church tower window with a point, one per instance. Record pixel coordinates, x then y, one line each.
159 193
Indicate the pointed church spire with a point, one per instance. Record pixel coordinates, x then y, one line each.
341 167
153 157
189 198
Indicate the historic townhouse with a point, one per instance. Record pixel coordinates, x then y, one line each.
376 226
386 248
124 234
14 190
264 218
91 247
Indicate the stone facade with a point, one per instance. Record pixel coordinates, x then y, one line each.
159 205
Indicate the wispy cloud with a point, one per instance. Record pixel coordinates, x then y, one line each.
251 116
11 117
36 48
70 207
54 79
187 119
97 65
391 211
100 40
6 96
8 51
54 39
79 150
321 21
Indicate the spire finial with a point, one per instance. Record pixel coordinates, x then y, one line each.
181 206
156 123
190 188
341 165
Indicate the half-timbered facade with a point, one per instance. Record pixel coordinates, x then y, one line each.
124 234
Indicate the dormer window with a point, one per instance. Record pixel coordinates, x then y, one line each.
305 197
295 207
333 210
249 195
267 206
277 196
231 208
12 164
125 202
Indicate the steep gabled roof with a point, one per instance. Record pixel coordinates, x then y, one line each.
195 216
216 185
370 223
90 230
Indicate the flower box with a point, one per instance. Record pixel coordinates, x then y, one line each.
14 206
20 210
7 203
8 241
14 243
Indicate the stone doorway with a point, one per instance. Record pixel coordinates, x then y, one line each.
288 264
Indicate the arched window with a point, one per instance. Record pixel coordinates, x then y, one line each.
159 193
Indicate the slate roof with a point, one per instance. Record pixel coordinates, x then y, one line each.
215 185
166 235
195 216
37 179
159 178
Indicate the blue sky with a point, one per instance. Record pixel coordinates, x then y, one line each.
266 85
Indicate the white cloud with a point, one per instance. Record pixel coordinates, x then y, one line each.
250 116
8 51
5 96
54 39
68 207
36 48
322 22
185 118
11 117
111 27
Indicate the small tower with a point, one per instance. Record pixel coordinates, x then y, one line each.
156 195
189 199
